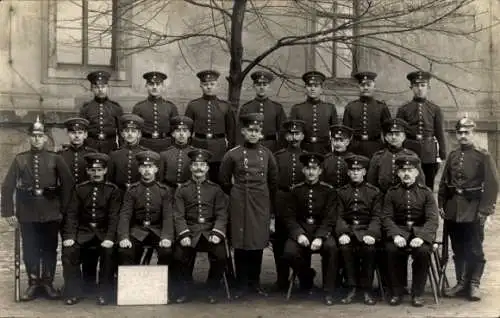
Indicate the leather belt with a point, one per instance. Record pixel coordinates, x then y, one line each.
155 135
419 137
146 223
310 220
93 225
316 139
101 136
209 136
364 137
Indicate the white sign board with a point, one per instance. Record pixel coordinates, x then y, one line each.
142 285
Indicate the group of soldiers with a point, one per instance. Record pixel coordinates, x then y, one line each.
219 180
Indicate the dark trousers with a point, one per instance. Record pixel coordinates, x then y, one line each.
40 244
104 146
359 261
299 256
90 258
185 256
397 261
213 172
72 257
279 238
248 265
132 255
430 170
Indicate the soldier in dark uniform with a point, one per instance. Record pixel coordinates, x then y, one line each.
156 112
334 166
174 162
146 215
289 173
310 219
365 116
318 115
200 216
410 219
358 228
123 167
41 182
255 174
273 112
103 115
91 221
213 122
467 196
426 136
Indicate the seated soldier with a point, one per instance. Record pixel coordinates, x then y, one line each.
310 218
358 227
410 219
200 216
90 222
146 216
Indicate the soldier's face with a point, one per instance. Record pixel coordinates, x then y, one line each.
209 88
367 88
38 140
97 174
420 89
148 171
261 89
356 174
199 169
181 135
465 136
252 133
294 138
312 172
100 90
340 144
131 135
77 137
408 175
395 138
314 90
154 88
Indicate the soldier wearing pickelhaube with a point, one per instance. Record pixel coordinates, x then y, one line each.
156 112
123 169
365 116
334 166
289 173
90 223
426 122
41 182
318 115
467 196
103 115
174 162
273 112
213 121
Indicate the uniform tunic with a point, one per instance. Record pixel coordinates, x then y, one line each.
174 165
156 113
365 116
289 167
75 161
255 174
335 169
123 169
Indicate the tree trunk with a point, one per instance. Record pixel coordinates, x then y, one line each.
235 66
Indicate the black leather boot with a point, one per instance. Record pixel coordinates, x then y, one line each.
462 280
32 291
47 280
476 274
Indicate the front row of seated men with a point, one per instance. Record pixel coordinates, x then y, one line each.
318 220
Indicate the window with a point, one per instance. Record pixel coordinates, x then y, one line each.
83 36
335 59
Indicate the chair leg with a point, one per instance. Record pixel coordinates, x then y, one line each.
380 285
226 286
291 281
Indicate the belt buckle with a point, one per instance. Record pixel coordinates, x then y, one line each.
127 185
155 135
459 191
101 136
38 192
355 222
146 223
310 221
201 220
210 136
419 137
314 139
364 137
93 225
409 223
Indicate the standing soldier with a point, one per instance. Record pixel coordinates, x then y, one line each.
273 112
123 167
91 221
410 219
425 119
289 173
358 228
213 121
146 216
467 196
174 162
365 116
255 174
156 112
318 115
334 166
310 219
41 182
103 115
200 216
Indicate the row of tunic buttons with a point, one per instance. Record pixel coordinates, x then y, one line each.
408 206
129 167
420 130
393 168
201 219
155 121
364 127
101 121
94 203
75 167
315 119
179 164
35 172
340 164
356 199
460 173
294 164
147 221
209 118
310 219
